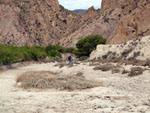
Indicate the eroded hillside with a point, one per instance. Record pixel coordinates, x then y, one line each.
118 20
36 22
43 22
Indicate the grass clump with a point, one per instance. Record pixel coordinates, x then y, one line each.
48 80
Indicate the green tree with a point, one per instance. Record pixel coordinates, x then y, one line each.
86 45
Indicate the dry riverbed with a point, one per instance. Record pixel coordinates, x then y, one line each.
119 93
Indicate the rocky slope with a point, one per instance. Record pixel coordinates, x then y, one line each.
137 49
117 20
37 22
33 22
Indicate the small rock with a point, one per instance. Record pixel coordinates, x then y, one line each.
19 84
99 97
47 107
101 106
114 106
146 103
107 97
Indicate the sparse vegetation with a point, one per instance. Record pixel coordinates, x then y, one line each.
115 70
61 65
105 67
136 71
147 63
48 80
126 52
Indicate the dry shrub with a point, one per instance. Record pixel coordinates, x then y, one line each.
48 80
61 65
146 63
136 71
105 67
115 70
80 74
125 71
126 52
94 64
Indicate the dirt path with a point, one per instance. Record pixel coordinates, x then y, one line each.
121 94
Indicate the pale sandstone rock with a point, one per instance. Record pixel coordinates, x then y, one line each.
137 49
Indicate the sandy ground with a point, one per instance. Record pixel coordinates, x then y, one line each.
120 94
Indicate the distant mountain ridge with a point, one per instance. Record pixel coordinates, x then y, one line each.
80 11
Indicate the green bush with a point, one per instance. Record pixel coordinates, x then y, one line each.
70 50
86 45
56 50
12 54
54 53
55 47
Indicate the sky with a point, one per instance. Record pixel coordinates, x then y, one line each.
80 4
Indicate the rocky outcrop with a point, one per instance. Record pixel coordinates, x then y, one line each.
133 25
133 22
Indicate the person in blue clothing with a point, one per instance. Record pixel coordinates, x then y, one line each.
70 60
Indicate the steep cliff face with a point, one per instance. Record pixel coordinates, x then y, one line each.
133 22
136 24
